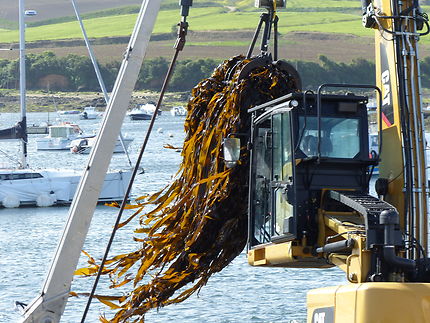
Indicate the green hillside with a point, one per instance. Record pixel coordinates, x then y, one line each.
313 15
330 16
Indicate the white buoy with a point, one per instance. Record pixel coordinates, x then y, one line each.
170 134
45 199
160 130
11 201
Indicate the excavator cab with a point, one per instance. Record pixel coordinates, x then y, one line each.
302 145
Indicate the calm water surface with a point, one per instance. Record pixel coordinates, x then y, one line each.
28 238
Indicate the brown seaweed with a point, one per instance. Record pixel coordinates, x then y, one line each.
198 223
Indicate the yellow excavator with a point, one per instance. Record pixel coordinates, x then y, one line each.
311 168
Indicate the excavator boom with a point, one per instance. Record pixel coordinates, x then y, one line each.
398 27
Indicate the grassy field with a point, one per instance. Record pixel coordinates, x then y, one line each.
218 43
312 15
330 16
334 27
202 19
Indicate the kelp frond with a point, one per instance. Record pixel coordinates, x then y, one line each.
198 223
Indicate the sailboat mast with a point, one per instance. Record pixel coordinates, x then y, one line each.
22 81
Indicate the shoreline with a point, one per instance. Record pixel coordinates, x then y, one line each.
38 101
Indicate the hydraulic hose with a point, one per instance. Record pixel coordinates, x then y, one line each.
338 246
390 219
389 254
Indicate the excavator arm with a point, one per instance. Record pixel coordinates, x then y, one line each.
402 184
399 25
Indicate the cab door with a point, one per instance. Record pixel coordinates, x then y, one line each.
282 177
271 194
260 215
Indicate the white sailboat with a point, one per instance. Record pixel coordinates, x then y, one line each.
24 186
48 187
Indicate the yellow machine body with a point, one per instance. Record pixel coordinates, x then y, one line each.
286 254
353 239
370 303
387 81
389 54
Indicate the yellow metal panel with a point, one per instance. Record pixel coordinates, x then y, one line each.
272 254
391 166
346 303
285 254
320 298
393 303
373 303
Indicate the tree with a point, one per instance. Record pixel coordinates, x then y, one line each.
38 66
81 72
189 73
152 74
109 73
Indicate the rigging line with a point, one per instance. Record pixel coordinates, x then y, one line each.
11 158
179 45
97 71
255 37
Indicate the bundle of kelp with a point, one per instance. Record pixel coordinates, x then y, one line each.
198 224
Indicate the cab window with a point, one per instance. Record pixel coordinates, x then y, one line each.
340 137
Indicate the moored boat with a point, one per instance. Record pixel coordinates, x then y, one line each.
48 187
84 145
89 113
142 112
178 111
68 112
60 136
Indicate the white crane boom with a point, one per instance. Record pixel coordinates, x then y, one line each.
49 305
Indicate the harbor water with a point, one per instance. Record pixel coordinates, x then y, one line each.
28 238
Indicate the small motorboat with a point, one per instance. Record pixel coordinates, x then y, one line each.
89 113
60 136
68 112
142 112
84 145
178 111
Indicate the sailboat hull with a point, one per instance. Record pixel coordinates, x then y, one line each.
27 187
